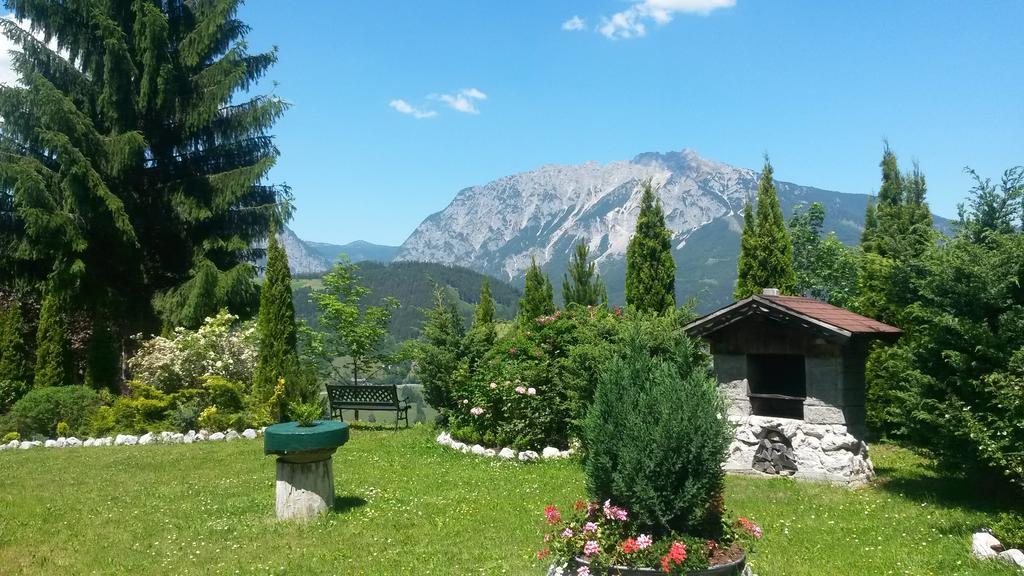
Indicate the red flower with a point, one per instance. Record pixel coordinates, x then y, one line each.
580 505
629 546
543 553
552 514
676 555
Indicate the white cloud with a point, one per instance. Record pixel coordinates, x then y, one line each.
406 108
574 23
462 101
630 23
7 73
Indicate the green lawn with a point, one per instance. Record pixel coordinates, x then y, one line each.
407 506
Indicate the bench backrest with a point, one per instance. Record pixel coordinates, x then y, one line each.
362 395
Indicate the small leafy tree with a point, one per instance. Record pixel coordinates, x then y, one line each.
581 284
439 354
275 328
650 269
53 346
656 435
349 328
825 268
538 296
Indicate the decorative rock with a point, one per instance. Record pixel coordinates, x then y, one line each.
444 439
232 435
189 437
167 437
528 456
202 436
477 449
106 441
1012 556
985 545
507 454
249 434
29 444
89 442
50 444
490 452
216 436
126 440
551 452
147 438
73 442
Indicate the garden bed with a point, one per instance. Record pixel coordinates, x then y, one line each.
439 511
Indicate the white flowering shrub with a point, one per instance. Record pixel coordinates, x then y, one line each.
220 347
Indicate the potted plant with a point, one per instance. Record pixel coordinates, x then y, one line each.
653 446
304 449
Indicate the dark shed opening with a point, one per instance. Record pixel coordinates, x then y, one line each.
778 385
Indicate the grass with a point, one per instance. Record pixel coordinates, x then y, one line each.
407 506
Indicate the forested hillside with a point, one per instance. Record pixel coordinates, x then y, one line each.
412 284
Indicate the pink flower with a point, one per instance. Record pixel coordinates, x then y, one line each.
567 533
531 391
520 390
552 514
590 527
476 411
583 571
614 512
644 541
591 548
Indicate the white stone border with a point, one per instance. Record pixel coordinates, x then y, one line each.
984 546
129 440
548 453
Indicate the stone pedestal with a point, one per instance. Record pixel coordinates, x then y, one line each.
304 488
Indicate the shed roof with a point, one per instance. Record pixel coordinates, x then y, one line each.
809 313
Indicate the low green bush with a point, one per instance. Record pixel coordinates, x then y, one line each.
656 435
41 409
145 409
9 437
63 430
1009 530
226 395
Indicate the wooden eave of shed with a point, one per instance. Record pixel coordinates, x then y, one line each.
808 314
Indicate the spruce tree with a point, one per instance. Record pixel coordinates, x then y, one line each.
771 261
650 269
53 346
582 285
867 236
136 158
485 308
748 237
483 332
14 363
439 354
538 296
275 327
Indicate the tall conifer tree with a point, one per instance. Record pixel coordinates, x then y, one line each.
134 158
581 284
483 333
650 269
767 260
14 363
275 326
538 296
748 239
53 345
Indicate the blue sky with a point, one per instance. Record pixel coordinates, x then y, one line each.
818 85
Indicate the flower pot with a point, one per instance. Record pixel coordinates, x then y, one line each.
305 471
734 568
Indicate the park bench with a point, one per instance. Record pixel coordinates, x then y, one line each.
382 397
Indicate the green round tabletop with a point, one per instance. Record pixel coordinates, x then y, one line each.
290 438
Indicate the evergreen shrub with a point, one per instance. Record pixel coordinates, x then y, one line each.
11 391
40 410
656 435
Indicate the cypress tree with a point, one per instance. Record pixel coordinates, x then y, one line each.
439 353
582 285
538 296
483 333
485 309
275 326
14 363
650 269
136 162
748 237
771 264
53 346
